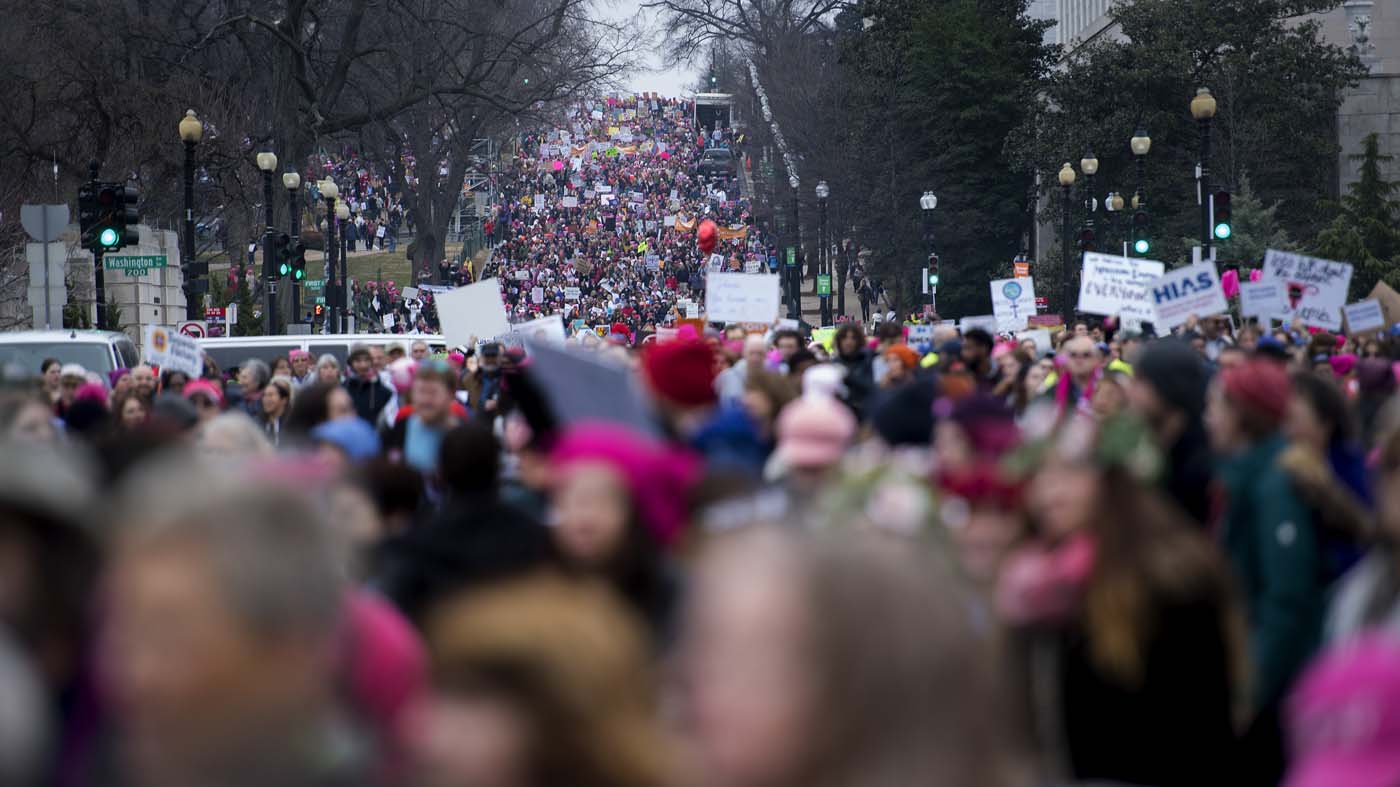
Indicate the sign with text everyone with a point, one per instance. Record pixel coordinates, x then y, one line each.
1113 285
1315 290
1192 290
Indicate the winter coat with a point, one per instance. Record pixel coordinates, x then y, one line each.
1273 547
369 397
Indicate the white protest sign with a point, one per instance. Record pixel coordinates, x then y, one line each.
539 202
388 322
752 266
736 297
1013 300
172 350
987 322
1364 316
920 333
1178 294
1042 340
571 293
544 329
569 202
692 311
668 221
716 262
521 275
1112 285
410 293
1264 298
473 311
1315 290
537 295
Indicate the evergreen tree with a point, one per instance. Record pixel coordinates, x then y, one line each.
1364 232
1255 230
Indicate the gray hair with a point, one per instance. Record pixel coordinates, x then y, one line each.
233 435
273 554
260 371
327 359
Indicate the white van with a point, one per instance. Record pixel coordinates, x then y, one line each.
231 351
95 351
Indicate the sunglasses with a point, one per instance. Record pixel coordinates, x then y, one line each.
1081 356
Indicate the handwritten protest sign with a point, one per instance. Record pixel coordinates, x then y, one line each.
571 293
1364 316
736 297
1263 298
1013 300
1315 290
170 349
1178 294
475 310
544 329
1112 285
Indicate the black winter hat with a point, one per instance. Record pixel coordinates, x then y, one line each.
1178 373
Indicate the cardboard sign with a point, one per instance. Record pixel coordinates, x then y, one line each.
1389 300
410 293
475 311
1263 298
736 297
571 293
1178 294
1013 301
1112 285
1364 316
173 350
1315 290
549 330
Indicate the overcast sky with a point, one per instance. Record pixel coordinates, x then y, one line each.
667 82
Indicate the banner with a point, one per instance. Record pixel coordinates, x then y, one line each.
1315 289
1112 285
1013 301
168 349
1179 294
737 297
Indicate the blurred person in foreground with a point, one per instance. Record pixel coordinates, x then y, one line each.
220 643
839 660
1273 546
1131 603
540 682
1168 392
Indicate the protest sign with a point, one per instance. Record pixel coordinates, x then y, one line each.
716 262
537 295
410 293
473 311
736 297
1041 338
921 333
1315 290
581 387
692 311
1364 316
172 350
1178 294
752 266
571 293
1389 300
542 330
1013 300
1263 298
987 322
569 202
1112 285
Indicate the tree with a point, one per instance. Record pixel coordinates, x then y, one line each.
1277 82
1364 233
1255 230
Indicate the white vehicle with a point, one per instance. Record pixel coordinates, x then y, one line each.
95 351
231 351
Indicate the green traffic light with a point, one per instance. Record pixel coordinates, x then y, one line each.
108 237
284 269
299 274
1222 231
1141 246
933 279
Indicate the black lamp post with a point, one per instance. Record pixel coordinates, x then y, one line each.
795 271
1203 109
823 256
1089 165
1066 183
191 132
329 191
928 201
267 162
342 215
291 181
1140 144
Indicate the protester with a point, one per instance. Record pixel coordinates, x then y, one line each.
276 408
1168 392
368 393
418 434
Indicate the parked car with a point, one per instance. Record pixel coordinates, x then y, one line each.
717 163
95 351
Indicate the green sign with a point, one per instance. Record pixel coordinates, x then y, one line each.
824 284
314 284
791 255
133 264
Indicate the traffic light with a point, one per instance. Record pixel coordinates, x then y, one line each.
108 233
128 216
714 81
1086 239
1221 206
281 256
933 270
296 254
89 215
1142 238
319 310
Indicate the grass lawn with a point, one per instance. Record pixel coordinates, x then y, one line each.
390 266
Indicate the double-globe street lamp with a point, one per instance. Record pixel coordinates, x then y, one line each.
823 256
267 162
191 132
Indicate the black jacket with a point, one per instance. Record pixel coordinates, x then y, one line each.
369 397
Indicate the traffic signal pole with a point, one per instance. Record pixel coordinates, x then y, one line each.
269 265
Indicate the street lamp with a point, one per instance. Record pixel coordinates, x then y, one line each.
329 191
291 181
823 259
795 271
1066 183
191 132
927 203
1089 165
267 162
1203 109
342 214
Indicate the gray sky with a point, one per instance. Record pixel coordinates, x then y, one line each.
655 78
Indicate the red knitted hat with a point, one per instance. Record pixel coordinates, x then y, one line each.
681 372
1260 385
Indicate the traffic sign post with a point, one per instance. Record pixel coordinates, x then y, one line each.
133 264
45 223
195 329
824 285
